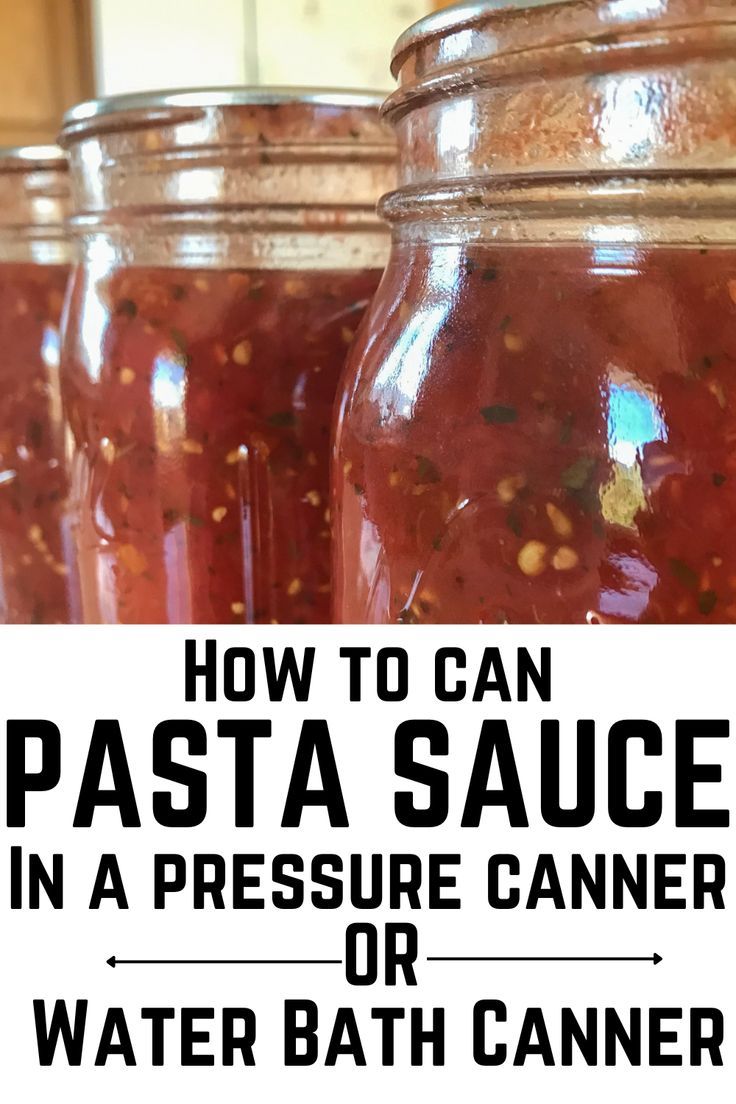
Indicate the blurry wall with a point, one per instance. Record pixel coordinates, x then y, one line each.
144 44
167 43
331 42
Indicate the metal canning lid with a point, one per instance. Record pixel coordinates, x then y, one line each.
26 158
454 18
92 113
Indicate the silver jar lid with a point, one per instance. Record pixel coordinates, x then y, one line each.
28 158
455 18
91 113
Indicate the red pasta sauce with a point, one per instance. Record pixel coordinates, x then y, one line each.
200 406
35 581
541 434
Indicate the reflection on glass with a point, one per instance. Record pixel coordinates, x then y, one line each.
630 120
455 124
168 393
634 420
401 374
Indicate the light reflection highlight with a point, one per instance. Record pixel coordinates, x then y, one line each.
630 121
399 380
94 319
168 396
455 124
627 9
634 420
168 382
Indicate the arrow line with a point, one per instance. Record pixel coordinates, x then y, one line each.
655 959
113 962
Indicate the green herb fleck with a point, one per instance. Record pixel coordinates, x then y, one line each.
683 573
698 369
437 543
566 428
172 517
718 479
34 432
505 322
127 307
489 274
427 471
359 488
498 414
706 601
283 419
514 523
577 475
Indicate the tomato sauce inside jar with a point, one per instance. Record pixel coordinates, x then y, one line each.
202 472
36 576
204 345
586 468
537 421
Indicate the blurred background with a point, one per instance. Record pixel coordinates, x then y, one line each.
54 53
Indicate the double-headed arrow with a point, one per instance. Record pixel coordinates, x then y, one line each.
655 959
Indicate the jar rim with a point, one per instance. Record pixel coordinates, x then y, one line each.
27 158
455 18
93 113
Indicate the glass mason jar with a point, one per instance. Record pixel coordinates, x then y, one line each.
36 577
539 418
228 247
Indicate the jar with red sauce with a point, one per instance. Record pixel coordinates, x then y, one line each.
539 418
228 248
36 561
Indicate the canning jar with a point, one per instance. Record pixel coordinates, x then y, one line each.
36 577
228 247
539 419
